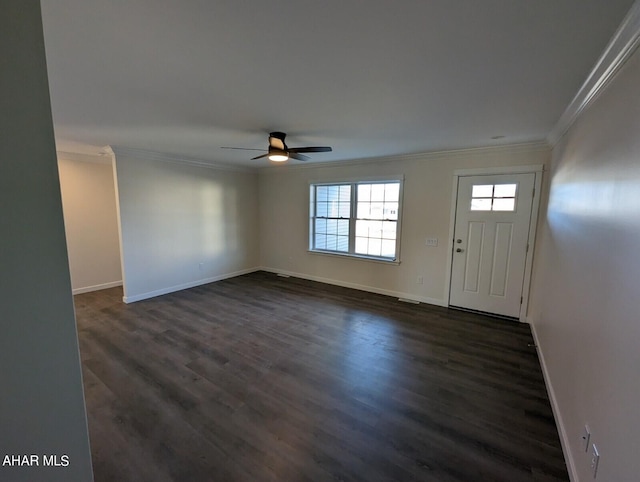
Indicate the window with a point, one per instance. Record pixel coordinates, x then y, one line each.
493 197
333 210
356 219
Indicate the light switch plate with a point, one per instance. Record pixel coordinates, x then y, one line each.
432 242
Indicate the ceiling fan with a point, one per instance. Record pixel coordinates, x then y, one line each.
279 152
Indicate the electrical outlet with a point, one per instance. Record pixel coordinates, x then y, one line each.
432 242
420 280
586 436
200 265
595 459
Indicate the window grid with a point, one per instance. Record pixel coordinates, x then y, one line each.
376 219
358 218
493 197
332 212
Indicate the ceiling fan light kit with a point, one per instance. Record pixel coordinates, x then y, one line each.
278 158
277 155
279 152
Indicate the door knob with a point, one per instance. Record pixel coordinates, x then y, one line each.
458 241
459 250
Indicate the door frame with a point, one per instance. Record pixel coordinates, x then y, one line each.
538 170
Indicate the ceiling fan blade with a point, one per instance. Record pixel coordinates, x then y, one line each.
243 149
298 157
278 149
310 149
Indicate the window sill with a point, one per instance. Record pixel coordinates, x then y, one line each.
355 256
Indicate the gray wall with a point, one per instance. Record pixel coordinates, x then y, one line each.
90 221
41 403
584 304
183 224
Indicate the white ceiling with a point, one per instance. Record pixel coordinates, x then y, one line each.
370 78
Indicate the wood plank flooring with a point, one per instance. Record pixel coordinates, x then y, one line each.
265 378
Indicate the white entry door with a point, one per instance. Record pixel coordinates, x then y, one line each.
493 215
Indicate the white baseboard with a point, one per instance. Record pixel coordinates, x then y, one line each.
103 286
346 284
557 415
184 286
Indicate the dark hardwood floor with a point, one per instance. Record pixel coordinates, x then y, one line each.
267 378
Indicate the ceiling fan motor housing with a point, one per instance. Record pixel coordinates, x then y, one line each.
276 140
276 151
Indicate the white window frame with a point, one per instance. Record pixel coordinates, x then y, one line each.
353 217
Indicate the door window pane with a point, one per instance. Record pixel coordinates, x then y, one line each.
481 204
482 190
493 197
505 190
507 204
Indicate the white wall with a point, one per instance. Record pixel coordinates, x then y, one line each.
183 224
90 220
428 185
584 305
41 399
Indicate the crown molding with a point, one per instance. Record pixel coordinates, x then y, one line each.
101 158
109 153
423 156
620 48
175 159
